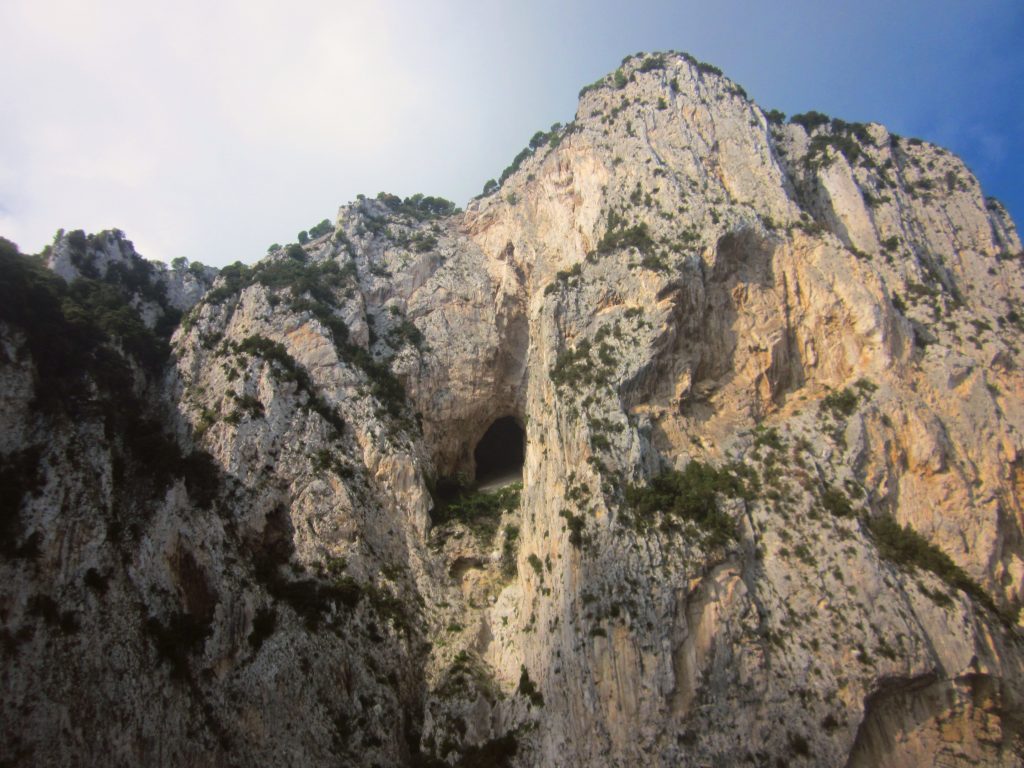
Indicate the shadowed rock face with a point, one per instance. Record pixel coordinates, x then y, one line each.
763 385
500 452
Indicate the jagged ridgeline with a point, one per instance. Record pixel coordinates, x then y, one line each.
696 438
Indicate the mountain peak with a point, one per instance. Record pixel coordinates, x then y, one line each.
695 439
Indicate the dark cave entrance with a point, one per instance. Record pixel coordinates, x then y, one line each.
500 454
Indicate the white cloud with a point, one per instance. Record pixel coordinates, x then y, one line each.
128 111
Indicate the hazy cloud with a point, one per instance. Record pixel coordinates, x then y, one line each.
212 129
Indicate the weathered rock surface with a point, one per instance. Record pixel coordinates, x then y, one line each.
824 310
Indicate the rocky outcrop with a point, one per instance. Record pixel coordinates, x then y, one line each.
770 507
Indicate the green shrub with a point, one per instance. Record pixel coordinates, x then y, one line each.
768 437
810 120
480 511
420 207
405 332
866 386
326 460
274 352
689 495
466 676
906 547
251 405
551 137
77 240
563 277
836 502
538 140
319 230
577 525
703 67
517 161
843 402
311 599
858 131
803 552
508 551
234 277
384 386
637 236
529 689
572 366
592 87
199 269
817 155
535 563
652 63
421 243
389 607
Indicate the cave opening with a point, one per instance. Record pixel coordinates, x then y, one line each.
500 454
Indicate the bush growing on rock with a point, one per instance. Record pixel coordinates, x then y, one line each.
906 547
637 236
480 511
836 502
690 495
810 120
843 402
529 689
420 207
319 230
652 63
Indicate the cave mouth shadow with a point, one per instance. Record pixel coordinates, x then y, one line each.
501 452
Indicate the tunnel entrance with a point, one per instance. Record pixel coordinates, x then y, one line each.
500 454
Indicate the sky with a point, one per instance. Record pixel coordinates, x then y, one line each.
212 129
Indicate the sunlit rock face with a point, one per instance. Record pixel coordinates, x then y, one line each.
746 393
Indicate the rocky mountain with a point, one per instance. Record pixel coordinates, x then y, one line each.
762 383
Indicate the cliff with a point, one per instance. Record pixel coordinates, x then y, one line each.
767 380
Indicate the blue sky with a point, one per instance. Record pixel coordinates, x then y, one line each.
210 130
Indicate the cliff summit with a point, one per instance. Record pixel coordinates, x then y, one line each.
697 438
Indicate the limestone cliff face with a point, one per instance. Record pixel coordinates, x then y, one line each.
816 320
